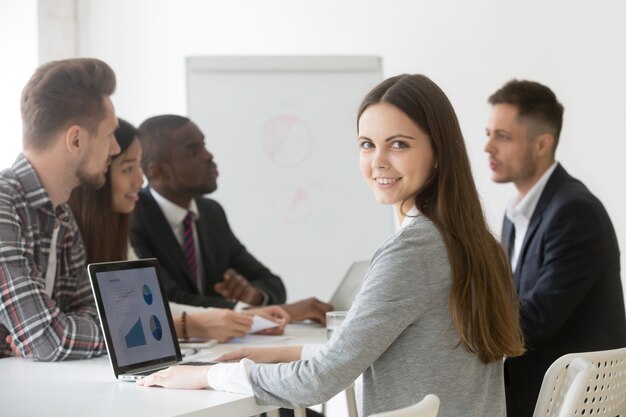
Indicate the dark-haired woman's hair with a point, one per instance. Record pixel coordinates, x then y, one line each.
105 232
482 300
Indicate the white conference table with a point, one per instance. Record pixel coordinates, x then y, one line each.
88 387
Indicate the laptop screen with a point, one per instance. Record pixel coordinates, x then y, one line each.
134 313
350 286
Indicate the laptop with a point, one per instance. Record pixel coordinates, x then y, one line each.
135 318
349 287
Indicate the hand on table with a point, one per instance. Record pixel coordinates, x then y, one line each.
236 287
180 377
310 308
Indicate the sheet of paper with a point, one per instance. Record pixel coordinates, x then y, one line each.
261 323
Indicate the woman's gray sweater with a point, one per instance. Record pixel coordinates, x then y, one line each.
400 336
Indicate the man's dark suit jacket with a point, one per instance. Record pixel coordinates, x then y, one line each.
152 236
568 283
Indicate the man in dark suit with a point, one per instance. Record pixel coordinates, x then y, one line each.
560 240
204 263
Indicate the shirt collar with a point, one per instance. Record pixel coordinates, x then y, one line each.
410 216
526 206
35 194
174 213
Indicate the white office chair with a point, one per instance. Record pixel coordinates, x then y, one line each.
350 400
428 407
298 412
584 384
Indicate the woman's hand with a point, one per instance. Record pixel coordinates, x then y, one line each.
180 377
264 355
273 313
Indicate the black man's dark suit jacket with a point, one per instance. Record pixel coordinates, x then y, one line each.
152 236
568 283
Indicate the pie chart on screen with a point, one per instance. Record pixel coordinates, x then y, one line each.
155 328
147 294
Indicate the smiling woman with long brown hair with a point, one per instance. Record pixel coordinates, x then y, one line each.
437 310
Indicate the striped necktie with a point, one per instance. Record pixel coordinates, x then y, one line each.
189 247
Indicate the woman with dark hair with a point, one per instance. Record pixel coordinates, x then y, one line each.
103 217
437 311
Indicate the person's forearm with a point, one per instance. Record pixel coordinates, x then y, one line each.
177 309
178 327
187 327
287 354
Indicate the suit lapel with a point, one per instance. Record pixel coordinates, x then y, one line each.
558 176
535 220
166 240
508 240
507 236
207 246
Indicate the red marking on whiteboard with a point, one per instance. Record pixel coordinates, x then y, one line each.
287 140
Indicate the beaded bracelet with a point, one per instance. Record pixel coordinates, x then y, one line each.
183 324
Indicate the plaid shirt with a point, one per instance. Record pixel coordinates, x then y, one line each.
64 326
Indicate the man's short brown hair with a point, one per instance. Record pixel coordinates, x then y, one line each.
64 93
534 101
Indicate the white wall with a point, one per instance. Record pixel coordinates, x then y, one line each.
468 48
18 58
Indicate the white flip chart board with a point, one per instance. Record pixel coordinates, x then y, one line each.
283 132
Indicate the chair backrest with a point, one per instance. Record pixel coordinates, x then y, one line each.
428 407
584 384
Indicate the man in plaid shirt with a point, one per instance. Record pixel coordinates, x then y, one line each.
47 311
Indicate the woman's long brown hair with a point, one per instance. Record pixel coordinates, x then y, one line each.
482 300
105 232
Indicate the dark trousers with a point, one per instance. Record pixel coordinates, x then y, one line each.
522 382
285 412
